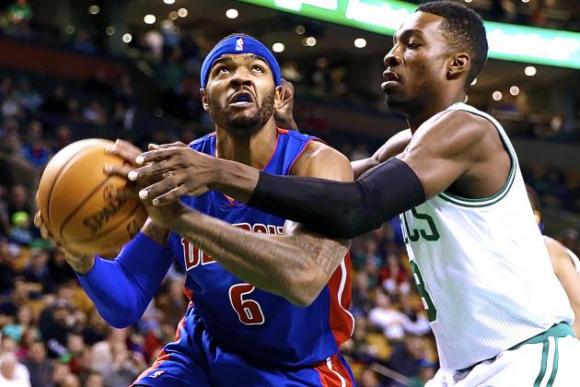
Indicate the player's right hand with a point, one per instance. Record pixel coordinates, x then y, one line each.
79 262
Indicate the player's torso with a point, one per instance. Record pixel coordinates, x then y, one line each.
483 270
256 323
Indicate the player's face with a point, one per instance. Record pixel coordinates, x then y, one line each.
415 68
240 93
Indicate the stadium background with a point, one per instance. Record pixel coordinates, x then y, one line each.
129 69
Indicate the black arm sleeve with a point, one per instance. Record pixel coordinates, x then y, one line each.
341 210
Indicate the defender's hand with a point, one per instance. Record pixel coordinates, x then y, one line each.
171 171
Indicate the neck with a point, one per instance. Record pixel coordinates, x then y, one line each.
254 150
418 116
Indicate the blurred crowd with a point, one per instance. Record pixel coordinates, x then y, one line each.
51 334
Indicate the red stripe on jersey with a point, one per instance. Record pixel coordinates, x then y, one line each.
188 293
162 356
333 374
339 288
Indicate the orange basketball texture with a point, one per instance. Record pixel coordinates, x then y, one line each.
81 205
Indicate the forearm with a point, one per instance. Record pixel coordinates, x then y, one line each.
341 210
122 288
235 179
361 166
270 264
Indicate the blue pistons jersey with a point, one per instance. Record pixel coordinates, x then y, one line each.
260 326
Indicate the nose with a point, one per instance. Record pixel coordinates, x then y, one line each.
241 77
392 58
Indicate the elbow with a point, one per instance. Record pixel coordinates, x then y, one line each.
306 289
120 320
122 315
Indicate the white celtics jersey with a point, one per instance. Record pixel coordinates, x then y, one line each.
482 269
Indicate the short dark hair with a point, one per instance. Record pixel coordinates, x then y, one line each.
463 28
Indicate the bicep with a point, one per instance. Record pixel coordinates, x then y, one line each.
394 145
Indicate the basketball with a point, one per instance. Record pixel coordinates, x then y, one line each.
82 206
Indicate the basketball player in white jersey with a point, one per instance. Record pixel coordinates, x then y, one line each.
565 263
499 315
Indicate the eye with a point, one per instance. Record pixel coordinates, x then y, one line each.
413 45
223 70
258 68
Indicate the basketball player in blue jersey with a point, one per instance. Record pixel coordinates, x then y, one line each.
268 300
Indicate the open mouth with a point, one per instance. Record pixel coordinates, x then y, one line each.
389 76
242 98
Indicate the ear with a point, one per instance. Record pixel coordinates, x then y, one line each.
280 97
459 65
204 99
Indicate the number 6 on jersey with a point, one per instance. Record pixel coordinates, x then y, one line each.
249 311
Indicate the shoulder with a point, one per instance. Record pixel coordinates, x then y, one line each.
201 141
452 132
319 159
460 124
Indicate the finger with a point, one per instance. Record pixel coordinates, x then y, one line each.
121 193
124 149
117 170
170 197
176 144
44 233
38 219
155 155
159 188
152 171
198 191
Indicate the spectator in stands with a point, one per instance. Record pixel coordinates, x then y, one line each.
13 373
20 232
19 13
23 322
40 367
35 149
56 103
63 137
37 271
387 317
95 113
409 356
73 110
19 201
28 98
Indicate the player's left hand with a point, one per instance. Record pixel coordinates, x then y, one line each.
175 170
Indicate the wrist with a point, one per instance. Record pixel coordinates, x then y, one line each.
188 223
81 265
219 175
